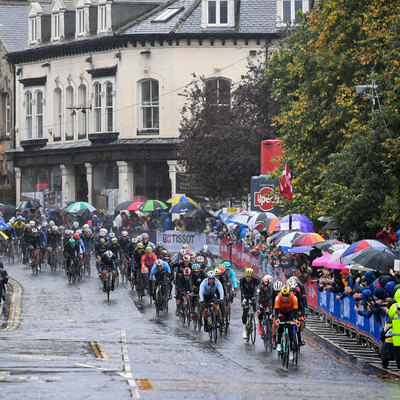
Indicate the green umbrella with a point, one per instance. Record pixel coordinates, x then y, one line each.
80 205
153 205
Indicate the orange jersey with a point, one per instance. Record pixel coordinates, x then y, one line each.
289 305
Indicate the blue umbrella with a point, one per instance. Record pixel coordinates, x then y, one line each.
182 208
3 225
300 249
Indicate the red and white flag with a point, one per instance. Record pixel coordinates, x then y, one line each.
286 183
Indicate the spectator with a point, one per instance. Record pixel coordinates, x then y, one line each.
387 236
394 314
166 223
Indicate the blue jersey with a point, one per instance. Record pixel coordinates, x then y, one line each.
232 275
164 269
210 289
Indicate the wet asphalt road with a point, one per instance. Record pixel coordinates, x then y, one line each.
71 343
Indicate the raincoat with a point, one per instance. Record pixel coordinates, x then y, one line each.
395 319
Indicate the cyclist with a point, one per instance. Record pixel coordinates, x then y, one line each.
26 238
34 244
264 300
277 287
225 284
19 226
80 243
183 285
147 262
71 252
159 276
159 248
12 237
108 260
232 275
146 242
136 252
298 289
206 254
208 293
286 308
75 226
53 242
248 288
200 261
198 276
43 242
100 248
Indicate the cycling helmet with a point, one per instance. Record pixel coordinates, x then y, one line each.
196 267
71 242
109 254
54 228
188 251
185 246
182 252
139 245
186 271
27 226
227 264
9 224
52 223
265 280
248 272
277 286
193 254
148 250
186 258
32 223
210 274
205 247
159 262
79 232
75 236
88 231
19 218
102 241
61 228
124 233
114 240
160 244
139 238
34 231
285 290
44 224
134 241
199 259
292 282
112 235
270 278
217 272
145 235
165 254
222 269
75 224
84 227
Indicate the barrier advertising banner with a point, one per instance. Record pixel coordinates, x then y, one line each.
174 240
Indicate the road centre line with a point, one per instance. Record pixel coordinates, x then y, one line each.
127 367
102 352
96 352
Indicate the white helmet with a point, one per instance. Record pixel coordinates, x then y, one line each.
199 259
108 253
124 233
292 282
88 231
61 228
54 228
103 232
12 220
34 230
112 235
182 252
79 232
51 223
44 223
134 240
32 223
145 235
269 277
205 247
75 224
278 286
139 238
159 262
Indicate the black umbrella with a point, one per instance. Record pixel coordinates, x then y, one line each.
323 218
376 259
7 209
197 213
331 225
324 246
123 206
84 212
28 204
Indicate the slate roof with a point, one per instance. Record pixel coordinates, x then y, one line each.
14 25
253 16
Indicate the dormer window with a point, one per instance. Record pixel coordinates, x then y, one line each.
218 13
34 20
287 11
57 9
104 17
82 18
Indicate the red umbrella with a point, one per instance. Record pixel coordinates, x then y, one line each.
135 206
307 239
139 197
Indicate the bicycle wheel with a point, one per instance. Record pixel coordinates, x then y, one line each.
108 286
220 322
199 318
253 329
285 351
215 327
267 337
158 303
248 327
183 314
295 348
210 326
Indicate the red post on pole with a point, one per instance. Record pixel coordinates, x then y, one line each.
270 150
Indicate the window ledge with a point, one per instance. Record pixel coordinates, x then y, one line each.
142 132
31 144
103 137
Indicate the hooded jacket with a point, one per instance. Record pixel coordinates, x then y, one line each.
395 319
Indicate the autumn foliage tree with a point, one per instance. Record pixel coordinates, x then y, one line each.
221 130
345 162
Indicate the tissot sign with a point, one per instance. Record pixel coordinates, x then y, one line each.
263 194
266 199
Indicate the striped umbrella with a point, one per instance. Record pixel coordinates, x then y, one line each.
80 205
363 244
307 239
181 198
153 205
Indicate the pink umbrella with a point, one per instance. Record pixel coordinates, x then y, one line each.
335 260
322 261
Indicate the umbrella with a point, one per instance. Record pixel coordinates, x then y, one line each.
321 261
364 244
68 203
337 246
264 216
299 222
153 205
182 208
197 213
301 249
135 206
271 225
331 225
138 198
28 204
240 219
336 261
307 239
322 218
3 225
7 209
324 246
181 198
123 206
376 259
286 241
84 212
80 205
